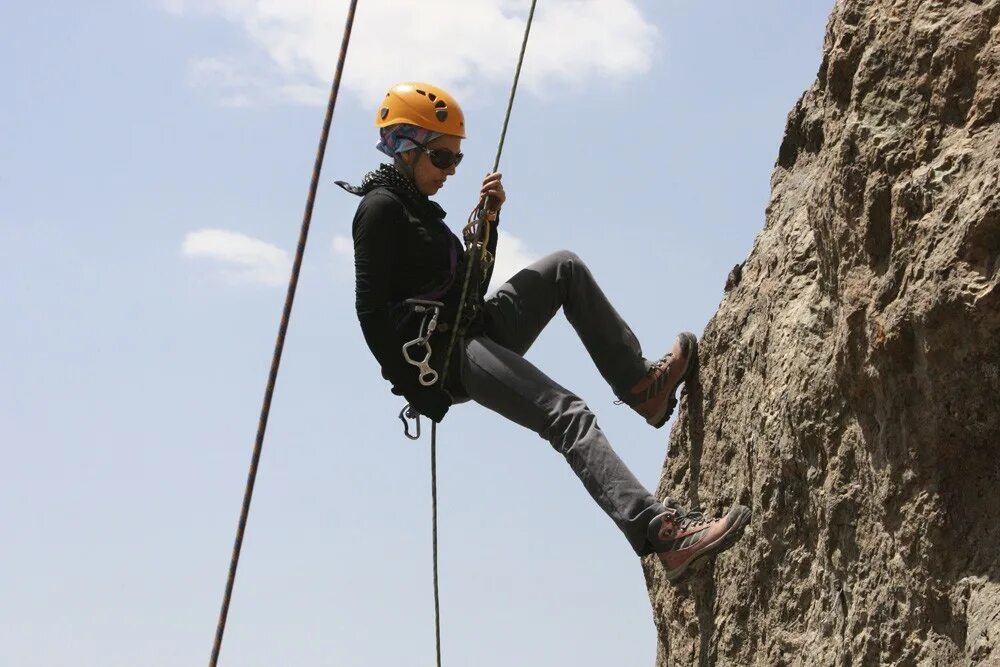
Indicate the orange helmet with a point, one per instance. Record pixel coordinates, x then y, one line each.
423 105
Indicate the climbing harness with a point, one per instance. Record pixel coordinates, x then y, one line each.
280 342
430 311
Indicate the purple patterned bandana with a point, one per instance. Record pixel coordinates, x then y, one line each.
396 139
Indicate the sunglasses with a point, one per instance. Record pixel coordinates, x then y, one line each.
442 158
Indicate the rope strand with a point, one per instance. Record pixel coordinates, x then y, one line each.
513 87
280 342
434 540
481 231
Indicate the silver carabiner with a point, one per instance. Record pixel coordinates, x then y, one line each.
430 310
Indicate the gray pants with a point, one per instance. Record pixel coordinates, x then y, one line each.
496 375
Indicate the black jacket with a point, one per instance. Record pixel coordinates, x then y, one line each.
403 249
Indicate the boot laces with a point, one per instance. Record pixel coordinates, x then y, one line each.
658 366
693 518
684 519
662 362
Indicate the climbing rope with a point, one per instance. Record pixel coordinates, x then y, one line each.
280 343
477 236
434 541
476 226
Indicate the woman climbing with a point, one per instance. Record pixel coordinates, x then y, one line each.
408 267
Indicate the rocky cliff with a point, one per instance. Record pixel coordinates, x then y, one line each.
850 382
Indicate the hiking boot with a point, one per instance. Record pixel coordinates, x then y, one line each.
682 538
653 396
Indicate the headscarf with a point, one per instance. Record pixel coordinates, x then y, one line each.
398 138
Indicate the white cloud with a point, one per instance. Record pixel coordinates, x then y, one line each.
512 256
458 44
243 259
226 75
343 246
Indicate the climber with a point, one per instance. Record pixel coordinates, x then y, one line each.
408 270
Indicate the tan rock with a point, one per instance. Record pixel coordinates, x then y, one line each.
850 381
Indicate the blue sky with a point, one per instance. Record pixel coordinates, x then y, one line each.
135 343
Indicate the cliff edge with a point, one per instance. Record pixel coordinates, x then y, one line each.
850 382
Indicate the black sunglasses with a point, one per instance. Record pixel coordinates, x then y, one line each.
442 158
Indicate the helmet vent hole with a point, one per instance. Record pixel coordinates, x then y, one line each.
431 96
421 92
441 114
440 104
384 112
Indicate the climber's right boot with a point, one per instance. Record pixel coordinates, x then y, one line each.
682 538
653 395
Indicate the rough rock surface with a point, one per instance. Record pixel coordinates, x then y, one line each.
850 381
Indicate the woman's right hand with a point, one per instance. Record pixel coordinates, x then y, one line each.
493 191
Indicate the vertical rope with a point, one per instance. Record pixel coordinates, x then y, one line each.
470 260
280 342
434 539
481 230
513 87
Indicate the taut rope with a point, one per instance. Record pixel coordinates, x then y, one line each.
280 343
478 229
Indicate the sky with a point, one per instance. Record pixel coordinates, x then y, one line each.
154 161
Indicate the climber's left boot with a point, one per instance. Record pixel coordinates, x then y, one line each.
681 538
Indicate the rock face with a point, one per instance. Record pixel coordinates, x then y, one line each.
850 381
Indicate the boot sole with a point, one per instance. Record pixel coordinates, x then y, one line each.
724 542
689 348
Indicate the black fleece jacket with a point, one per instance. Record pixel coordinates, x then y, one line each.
403 249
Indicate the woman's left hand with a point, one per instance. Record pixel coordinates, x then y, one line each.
493 190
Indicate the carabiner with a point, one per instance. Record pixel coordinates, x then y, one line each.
409 413
430 310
